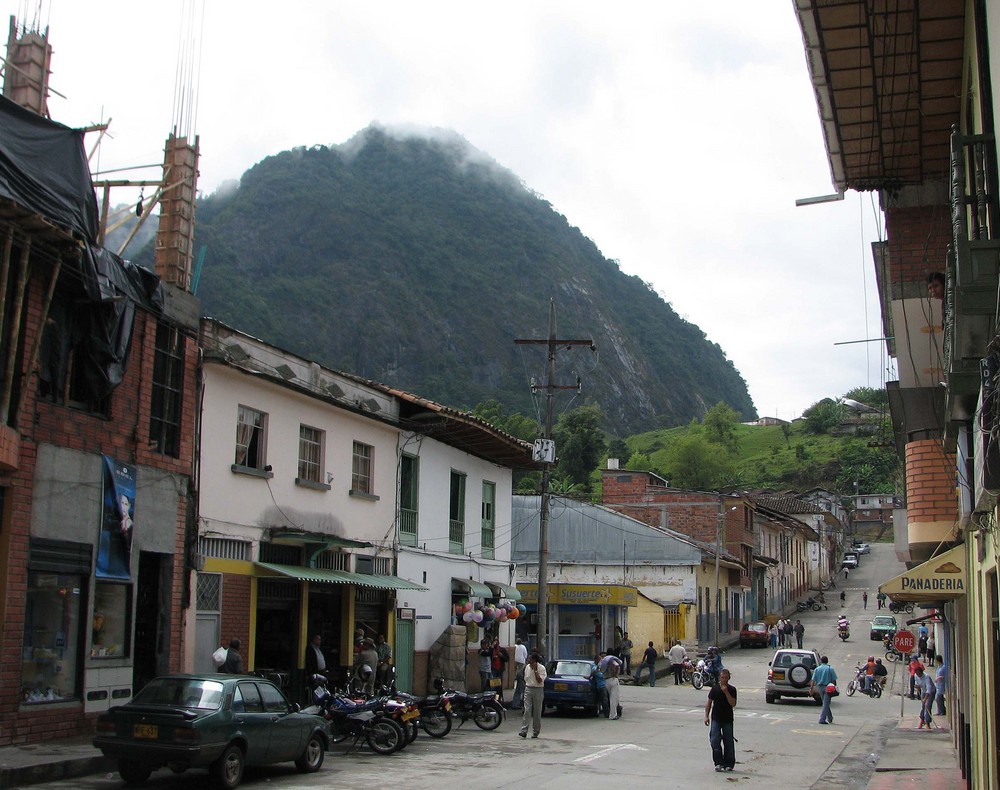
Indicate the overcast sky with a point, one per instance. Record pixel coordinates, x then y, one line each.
675 135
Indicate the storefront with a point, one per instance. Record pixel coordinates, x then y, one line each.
583 618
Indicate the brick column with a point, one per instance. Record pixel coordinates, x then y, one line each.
931 498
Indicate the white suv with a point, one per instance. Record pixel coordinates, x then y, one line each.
789 674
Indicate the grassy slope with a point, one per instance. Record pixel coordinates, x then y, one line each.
764 458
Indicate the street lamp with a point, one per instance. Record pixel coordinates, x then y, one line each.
719 529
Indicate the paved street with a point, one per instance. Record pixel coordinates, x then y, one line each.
661 738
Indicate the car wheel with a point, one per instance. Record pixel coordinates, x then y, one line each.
770 698
228 769
133 773
798 675
312 758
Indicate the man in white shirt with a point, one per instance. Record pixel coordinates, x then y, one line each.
520 661
534 696
678 655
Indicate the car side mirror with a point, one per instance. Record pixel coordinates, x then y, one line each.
769 663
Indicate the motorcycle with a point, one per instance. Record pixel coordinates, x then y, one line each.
358 720
435 713
844 630
816 604
687 673
858 684
702 676
899 606
484 709
891 653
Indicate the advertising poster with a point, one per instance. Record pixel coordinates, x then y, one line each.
115 549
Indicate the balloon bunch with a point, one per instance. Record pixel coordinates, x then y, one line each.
501 612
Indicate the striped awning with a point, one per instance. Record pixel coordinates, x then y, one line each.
323 576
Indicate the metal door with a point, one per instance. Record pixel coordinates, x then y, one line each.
206 640
402 653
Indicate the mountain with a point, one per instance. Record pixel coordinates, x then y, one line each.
417 260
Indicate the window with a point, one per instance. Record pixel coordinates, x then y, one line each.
52 614
409 480
489 519
168 383
112 616
361 468
456 514
251 430
310 454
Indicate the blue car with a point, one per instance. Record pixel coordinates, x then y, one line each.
571 684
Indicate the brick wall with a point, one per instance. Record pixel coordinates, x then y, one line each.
930 482
918 239
123 435
235 618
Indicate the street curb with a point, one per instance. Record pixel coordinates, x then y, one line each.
21 776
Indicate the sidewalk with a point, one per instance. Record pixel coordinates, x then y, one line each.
917 758
32 763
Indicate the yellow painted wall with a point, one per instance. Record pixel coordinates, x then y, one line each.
978 700
645 624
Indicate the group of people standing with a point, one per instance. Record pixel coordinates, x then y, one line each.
780 634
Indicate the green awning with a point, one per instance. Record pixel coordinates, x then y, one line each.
469 587
508 591
323 576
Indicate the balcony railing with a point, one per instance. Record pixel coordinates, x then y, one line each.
407 526
456 536
974 263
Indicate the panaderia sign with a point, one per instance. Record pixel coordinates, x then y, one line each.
941 577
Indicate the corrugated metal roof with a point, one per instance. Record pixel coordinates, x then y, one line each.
322 576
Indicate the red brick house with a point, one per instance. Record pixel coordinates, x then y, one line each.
97 407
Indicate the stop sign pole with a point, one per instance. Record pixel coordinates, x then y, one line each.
904 642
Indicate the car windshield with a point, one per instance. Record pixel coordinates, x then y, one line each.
581 668
182 693
884 621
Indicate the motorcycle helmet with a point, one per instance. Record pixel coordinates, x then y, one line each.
871 658
365 672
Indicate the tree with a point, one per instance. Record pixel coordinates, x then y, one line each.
580 444
696 463
870 396
720 425
617 448
492 411
823 416
639 462
786 431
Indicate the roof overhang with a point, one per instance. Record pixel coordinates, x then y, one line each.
470 587
941 578
508 591
888 84
323 576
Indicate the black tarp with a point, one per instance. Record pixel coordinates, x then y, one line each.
43 168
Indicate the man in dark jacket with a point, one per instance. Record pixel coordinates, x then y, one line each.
233 664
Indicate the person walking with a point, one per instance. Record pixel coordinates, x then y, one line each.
772 636
534 696
719 715
824 676
843 598
780 625
799 630
880 599
520 662
677 655
233 665
847 572
648 662
864 598
498 663
914 665
940 684
926 684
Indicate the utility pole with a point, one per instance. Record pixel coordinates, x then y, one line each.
718 551
545 452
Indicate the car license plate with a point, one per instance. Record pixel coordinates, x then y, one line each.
779 675
145 731
410 714
561 686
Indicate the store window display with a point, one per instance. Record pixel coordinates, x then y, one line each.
51 636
